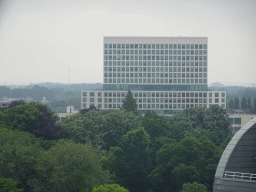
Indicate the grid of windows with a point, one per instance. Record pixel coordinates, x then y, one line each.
156 99
155 63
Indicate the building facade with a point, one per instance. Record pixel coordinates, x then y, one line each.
165 74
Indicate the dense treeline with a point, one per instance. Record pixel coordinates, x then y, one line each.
59 96
240 97
49 90
111 150
246 103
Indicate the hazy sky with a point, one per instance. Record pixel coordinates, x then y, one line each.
40 40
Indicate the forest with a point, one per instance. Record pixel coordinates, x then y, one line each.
114 150
59 96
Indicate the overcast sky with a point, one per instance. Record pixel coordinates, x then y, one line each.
40 40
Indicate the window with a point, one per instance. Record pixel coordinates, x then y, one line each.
91 99
237 120
84 94
99 100
91 94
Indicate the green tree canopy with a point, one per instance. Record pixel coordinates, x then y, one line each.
110 188
195 119
68 166
197 160
184 174
129 160
231 104
249 104
8 185
236 103
149 114
244 103
103 129
18 153
254 106
34 118
194 187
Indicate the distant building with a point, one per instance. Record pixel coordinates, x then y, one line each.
70 111
165 74
239 120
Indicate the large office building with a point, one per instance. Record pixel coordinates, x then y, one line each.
164 74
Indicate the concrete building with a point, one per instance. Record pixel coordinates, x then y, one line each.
70 111
165 74
236 170
239 120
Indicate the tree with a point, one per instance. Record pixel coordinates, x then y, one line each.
86 129
254 106
184 174
157 126
210 135
34 118
249 105
194 187
18 153
116 125
58 106
199 162
192 120
129 103
216 120
76 101
236 105
129 160
5 91
110 188
149 114
68 166
38 92
8 185
101 129
231 104
243 103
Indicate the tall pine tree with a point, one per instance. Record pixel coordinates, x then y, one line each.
249 105
243 103
236 106
231 104
254 106
130 103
